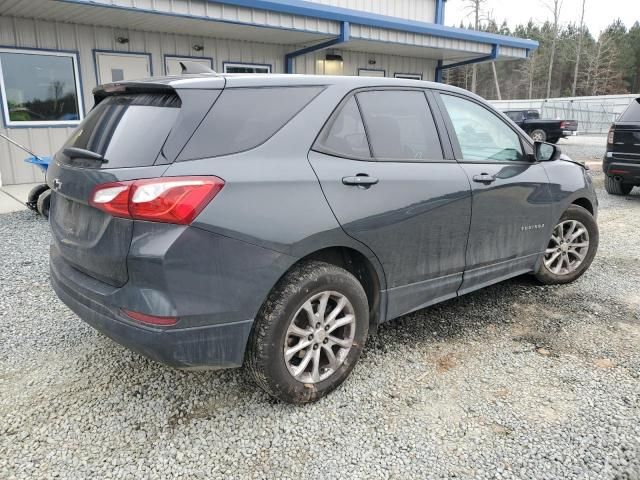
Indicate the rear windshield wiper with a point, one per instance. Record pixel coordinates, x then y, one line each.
75 152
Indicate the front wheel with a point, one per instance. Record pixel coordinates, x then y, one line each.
309 333
571 249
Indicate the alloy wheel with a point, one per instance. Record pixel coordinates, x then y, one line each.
567 248
319 337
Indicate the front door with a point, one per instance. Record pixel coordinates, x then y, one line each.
391 188
116 67
510 225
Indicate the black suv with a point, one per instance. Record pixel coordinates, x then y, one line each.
621 163
208 221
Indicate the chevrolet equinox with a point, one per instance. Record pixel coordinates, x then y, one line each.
207 221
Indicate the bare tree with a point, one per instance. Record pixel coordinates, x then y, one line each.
580 37
555 8
475 9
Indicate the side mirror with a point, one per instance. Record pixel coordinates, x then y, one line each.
546 152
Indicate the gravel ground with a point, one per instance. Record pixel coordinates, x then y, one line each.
515 381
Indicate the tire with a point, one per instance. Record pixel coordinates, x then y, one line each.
538 135
614 187
553 140
34 194
581 219
44 202
265 359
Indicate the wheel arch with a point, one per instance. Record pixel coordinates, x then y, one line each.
584 203
367 270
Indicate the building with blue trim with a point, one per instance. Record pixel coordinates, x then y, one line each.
54 52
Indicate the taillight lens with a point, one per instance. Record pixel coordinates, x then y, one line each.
150 319
612 132
176 200
563 125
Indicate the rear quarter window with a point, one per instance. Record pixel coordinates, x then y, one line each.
244 118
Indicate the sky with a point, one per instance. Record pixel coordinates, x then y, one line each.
598 13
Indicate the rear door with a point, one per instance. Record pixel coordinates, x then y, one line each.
391 186
511 221
126 136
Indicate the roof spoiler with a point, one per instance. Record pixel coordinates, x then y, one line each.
103 91
194 67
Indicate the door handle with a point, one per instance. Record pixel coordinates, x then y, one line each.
361 180
484 178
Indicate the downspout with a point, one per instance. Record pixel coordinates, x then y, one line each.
342 38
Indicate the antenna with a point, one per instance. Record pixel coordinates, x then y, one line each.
194 67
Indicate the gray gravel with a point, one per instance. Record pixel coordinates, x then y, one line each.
515 381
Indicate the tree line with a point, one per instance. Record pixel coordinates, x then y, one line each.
570 61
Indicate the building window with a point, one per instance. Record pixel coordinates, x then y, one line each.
246 68
408 76
39 88
370 72
172 63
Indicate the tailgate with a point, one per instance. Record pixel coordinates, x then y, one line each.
126 136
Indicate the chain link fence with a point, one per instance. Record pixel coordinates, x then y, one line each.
594 114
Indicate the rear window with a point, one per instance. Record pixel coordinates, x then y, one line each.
244 118
127 130
632 113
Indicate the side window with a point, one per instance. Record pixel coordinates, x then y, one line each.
243 118
400 125
345 136
481 134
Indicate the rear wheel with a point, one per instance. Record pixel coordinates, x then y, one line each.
44 202
616 187
309 333
571 249
34 194
539 135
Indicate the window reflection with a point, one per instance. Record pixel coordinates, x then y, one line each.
39 87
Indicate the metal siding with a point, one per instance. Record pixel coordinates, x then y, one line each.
352 61
418 10
28 33
232 13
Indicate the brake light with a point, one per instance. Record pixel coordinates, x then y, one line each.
612 132
176 200
150 319
563 125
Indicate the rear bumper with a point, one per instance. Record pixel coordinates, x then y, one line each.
212 346
569 133
628 170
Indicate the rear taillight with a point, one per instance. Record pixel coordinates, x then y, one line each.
612 132
563 125
168 199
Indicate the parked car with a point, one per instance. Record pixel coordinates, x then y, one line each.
621 163
274 220
542 130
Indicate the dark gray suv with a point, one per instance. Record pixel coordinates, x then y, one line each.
208 221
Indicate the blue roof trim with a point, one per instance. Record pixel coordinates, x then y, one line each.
339 14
